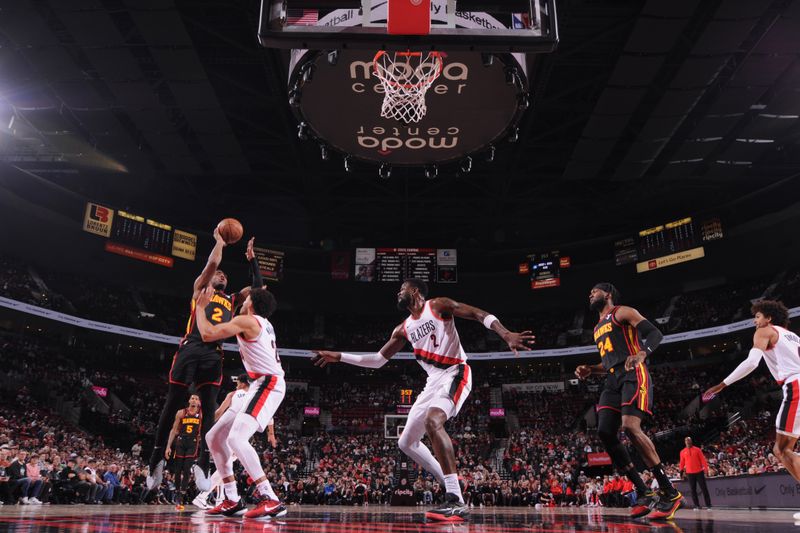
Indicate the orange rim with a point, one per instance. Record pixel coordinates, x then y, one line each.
437 73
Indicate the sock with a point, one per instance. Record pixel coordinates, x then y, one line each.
230 491
663 481
265 489
451 485
636 479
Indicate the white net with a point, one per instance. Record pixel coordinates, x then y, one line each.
406 77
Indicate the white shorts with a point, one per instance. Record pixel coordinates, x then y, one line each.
448 391
788 421
263 399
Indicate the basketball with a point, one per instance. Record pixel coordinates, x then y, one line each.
231 230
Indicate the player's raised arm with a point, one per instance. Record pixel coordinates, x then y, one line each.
213 332
374 360
224 405
650 335
761 341
447 308
214 259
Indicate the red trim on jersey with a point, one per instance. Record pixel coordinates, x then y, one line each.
601 407
790 418
405 332
169 376
613 315
441 359
262 399
260 329
464 380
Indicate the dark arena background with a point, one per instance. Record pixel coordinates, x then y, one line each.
530 155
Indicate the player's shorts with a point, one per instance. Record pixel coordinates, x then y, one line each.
628 393
787 422
196 363
187 447
263 399
447 390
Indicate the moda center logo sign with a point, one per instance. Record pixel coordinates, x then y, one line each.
469 107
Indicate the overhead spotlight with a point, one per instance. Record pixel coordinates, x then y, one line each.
294 98
513 135
385 171
431 171
491 153
487 59
323 152
511 75
302 131
333 57
348 163
466 165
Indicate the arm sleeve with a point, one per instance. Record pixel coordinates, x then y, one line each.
255 270
745 367
651 336
373 360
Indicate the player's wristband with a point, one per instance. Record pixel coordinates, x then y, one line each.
488 321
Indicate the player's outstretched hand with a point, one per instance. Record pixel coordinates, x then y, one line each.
583 372
712 392
249 253
204 297
218 237
633 360
323 358
520 341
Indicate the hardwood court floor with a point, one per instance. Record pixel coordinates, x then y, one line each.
380 519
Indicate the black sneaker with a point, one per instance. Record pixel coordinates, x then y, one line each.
668 505
451 511
236 510
644 504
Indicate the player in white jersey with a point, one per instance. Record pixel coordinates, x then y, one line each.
431 330
232 432
780 349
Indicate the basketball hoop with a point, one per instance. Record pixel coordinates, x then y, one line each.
406 77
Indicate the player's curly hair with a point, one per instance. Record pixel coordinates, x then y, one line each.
772 309
264 302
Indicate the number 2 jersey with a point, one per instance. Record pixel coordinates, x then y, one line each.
260 355
615 341
435 341
218 310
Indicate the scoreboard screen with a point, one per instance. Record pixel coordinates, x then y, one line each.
270 262
138 237
396 264
667 239
545 270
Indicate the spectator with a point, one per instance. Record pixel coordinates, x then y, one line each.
694 463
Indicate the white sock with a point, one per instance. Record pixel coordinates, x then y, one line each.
451 485
265 489
230 491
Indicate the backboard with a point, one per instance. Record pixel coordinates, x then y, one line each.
500 26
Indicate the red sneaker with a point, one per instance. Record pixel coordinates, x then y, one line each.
267 509
224 506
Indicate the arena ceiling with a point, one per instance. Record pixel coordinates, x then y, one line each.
649 109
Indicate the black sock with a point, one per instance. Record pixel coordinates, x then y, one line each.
663 481
634 476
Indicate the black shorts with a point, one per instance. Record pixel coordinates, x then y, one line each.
628 393
196 364
187 447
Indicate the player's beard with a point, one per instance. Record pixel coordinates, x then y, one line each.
404 302
218 286
597 305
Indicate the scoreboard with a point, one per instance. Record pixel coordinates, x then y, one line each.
270 262
138 237
667 244
397 264
544 269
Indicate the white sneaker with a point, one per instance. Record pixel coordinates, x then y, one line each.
201 501
24 501
797 516
34 501
201 480
154 478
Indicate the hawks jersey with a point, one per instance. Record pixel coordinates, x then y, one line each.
786 351
435 340
190 423
260 355
614 340
218 310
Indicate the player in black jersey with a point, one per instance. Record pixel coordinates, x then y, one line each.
624 339
185 435
195 362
